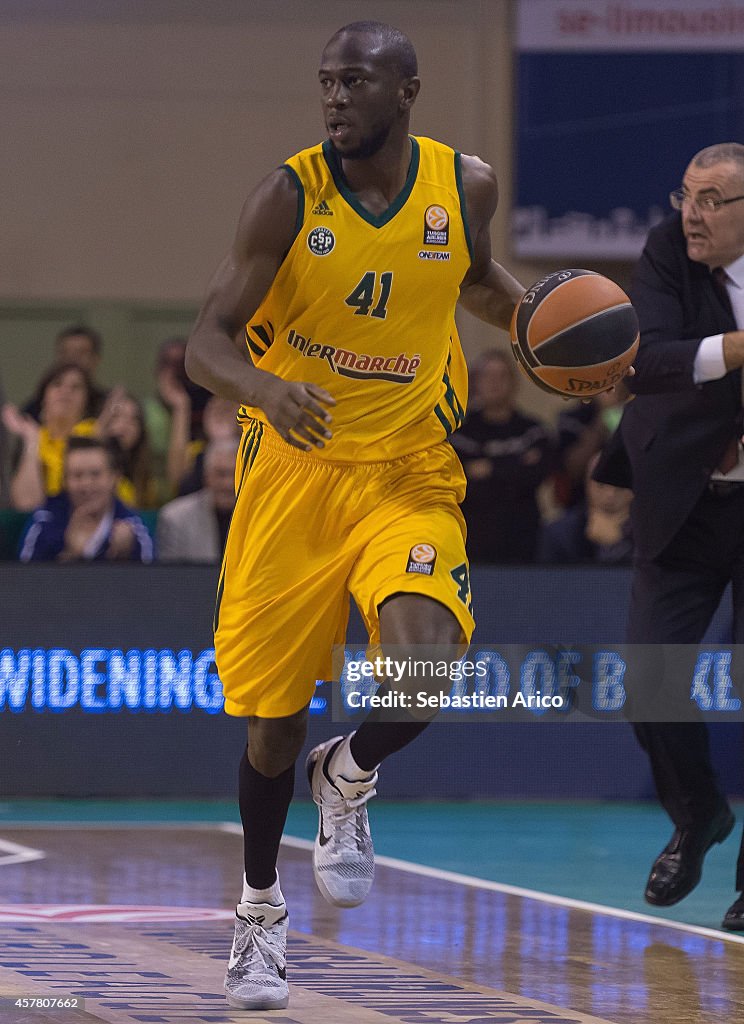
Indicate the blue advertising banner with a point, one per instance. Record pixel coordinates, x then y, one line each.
613 99
108 688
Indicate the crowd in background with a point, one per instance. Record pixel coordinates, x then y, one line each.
104 474
101 473
530 497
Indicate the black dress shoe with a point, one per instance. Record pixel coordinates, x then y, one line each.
734 919
677 869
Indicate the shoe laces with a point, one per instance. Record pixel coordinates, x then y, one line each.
257 943
344 813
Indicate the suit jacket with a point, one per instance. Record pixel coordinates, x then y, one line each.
187 530
674 433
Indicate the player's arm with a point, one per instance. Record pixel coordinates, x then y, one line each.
216 355
487 291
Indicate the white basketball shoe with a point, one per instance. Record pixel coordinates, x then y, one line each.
343 857
256 976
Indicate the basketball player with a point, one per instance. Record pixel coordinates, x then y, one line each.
343 279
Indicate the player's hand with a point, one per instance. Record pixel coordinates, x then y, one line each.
621 391
295 410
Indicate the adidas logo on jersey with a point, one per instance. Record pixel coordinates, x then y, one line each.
323 209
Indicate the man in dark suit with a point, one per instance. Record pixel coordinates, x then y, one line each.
682 437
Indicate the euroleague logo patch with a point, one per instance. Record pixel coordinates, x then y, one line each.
436 226
422 559
321 241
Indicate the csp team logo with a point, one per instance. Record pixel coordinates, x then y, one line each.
321 241
436 226
421 559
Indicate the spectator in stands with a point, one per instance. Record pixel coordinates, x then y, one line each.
193 528
220 424
122 423
596 530
87 522
66 401
173 416
506 455
80 346
583 428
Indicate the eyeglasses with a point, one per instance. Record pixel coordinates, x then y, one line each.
706 204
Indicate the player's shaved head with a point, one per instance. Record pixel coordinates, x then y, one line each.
721 153
393 44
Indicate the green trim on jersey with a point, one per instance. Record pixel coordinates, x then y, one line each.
300 197
257 335
453 404
463 204
253 346
448 428
337 173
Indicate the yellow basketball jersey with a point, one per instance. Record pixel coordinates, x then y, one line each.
364 305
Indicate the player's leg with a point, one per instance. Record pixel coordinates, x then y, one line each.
411 584
256 974
343 771
282 603
407 622
266 785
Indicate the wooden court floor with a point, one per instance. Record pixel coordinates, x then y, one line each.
136 920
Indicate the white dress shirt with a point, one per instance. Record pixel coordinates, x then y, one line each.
709 361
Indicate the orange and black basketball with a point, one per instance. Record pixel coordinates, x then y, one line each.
574 333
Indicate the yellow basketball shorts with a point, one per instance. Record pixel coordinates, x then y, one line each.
305 535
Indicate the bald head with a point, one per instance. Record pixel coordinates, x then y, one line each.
368 85
389 43
714 234
722 153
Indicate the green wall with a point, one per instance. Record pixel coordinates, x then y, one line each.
131 334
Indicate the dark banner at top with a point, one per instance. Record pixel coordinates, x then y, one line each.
613 99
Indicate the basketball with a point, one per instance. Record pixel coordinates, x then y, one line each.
574 333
